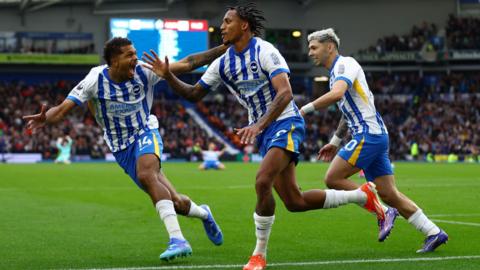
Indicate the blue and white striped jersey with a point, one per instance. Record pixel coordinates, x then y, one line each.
248 76
357 104
122 110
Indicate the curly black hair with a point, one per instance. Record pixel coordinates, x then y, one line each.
252 15
113 48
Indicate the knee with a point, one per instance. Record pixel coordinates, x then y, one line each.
263 187
146 177
263 184
331 180
294 206
264 180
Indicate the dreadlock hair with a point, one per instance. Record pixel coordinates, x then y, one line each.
250 13
113 48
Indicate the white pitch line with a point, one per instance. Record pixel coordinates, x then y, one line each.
182 187
457 222
216 266
455 215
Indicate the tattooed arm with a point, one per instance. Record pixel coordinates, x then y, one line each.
284 95
195 61
342 128
190 92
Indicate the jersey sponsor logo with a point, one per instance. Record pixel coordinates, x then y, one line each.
341 69
246 88
275 59
254 67
123 108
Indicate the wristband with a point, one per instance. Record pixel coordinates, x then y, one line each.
335 140
308 108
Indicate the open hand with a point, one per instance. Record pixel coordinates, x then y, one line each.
155 64
36 121
248 134
327 152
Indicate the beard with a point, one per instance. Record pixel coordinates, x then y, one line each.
226 42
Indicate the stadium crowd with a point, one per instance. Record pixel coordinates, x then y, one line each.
463 33
413 41
437 111
460 33
179 132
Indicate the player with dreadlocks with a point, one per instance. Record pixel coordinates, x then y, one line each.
256 73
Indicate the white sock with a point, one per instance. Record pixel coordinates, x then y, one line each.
197 211
335 198
263 227
167 213
421 222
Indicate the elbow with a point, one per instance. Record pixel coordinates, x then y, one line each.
290 96
287 96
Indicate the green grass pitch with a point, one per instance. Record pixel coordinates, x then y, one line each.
87 216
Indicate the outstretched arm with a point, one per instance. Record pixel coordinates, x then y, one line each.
282 98
195 61
221 152
52 116
338 90
190 92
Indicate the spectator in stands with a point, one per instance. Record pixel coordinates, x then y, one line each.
463 33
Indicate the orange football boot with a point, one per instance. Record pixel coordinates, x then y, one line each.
256 262
373 203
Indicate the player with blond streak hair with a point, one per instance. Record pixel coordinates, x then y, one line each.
368 148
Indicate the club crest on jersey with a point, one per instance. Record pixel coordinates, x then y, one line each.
254 67
136 89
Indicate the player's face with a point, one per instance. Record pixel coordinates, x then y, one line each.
211 146
232 27
126 62
318 51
